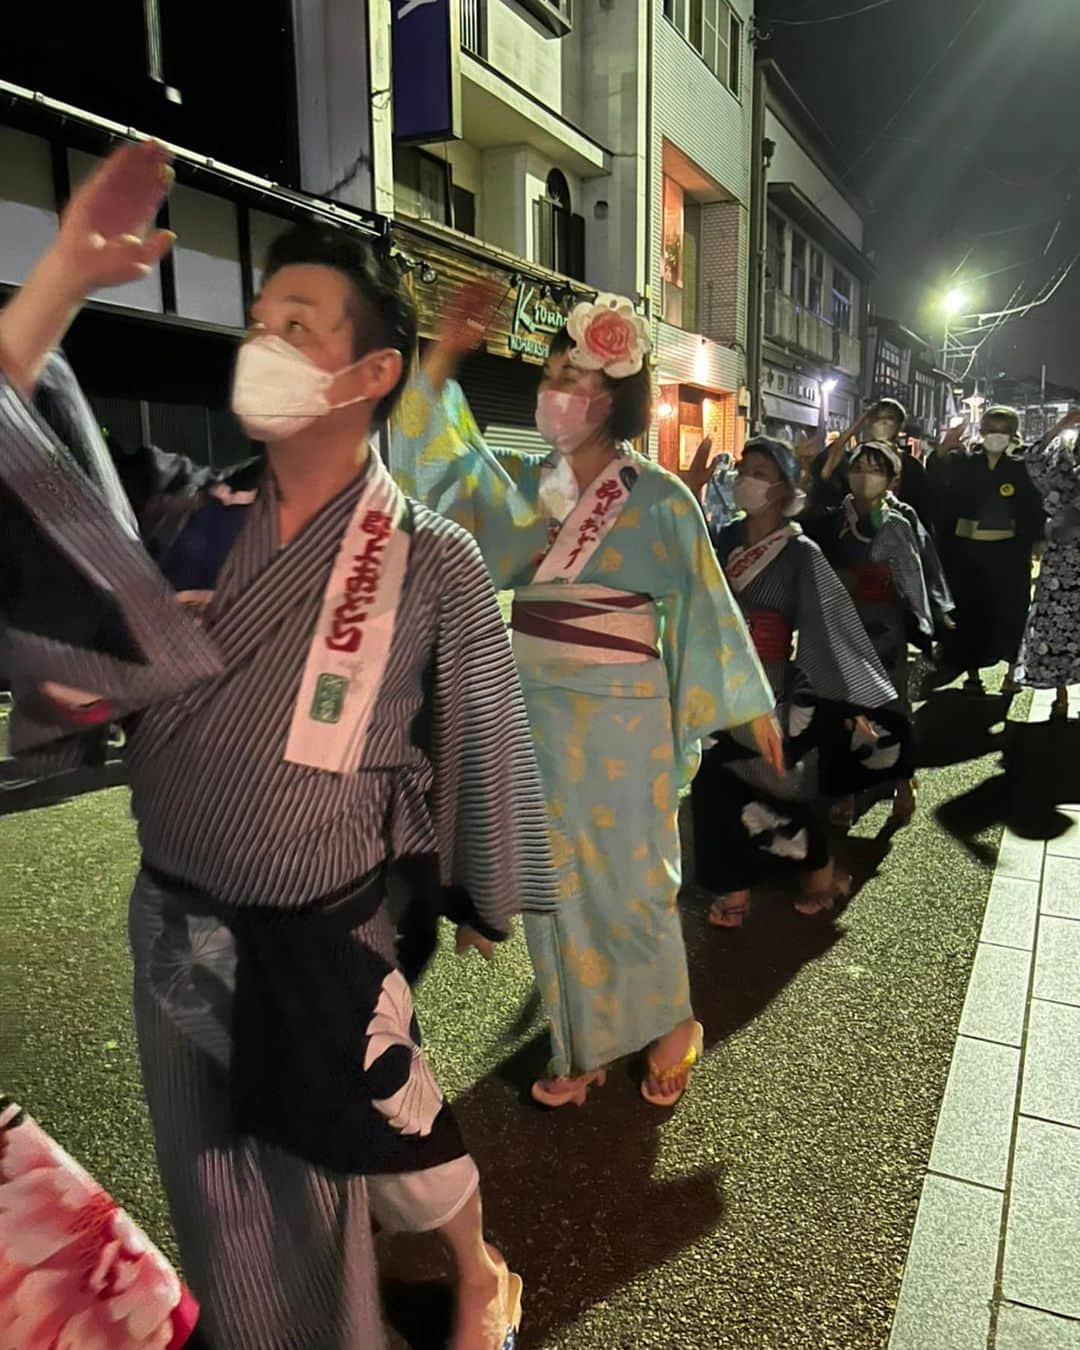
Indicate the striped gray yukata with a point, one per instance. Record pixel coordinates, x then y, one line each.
278 1249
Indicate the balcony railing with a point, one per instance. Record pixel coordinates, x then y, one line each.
813 334
847 353
474 27
779 317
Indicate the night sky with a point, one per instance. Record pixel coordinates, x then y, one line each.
983 156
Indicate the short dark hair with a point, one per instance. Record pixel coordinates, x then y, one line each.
893 406
380 306
875 457
631 397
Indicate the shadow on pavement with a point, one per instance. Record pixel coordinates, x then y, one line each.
1040 763
580 1198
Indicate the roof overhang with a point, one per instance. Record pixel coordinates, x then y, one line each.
34 111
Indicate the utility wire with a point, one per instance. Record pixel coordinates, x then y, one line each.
828 18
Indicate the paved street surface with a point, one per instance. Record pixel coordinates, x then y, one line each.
774 1209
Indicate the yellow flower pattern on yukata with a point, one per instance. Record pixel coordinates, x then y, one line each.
616 744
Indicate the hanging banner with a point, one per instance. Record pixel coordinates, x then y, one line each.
427 75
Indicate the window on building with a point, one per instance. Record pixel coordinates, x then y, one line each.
464 210
815 298
671 244
841 301
422 184
889 361
734 53
798 267
556 15
774 252
560 234
714 32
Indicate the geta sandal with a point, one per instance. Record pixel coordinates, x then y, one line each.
673 1081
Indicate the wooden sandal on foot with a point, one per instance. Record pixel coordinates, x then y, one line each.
673 1081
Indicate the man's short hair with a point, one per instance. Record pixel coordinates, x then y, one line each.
381 309
894 407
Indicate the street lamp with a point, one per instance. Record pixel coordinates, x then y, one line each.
953 303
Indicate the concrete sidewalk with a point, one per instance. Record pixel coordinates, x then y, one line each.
994 1262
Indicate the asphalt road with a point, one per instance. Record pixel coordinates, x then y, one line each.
771 1210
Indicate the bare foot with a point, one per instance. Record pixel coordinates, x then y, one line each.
487 1307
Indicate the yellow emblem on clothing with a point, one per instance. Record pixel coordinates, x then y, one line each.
1007 489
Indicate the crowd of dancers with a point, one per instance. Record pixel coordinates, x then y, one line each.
371 749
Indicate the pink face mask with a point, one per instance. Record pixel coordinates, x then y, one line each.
567 420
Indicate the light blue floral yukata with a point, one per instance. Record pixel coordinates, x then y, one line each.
616 743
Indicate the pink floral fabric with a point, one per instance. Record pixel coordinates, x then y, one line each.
75 1272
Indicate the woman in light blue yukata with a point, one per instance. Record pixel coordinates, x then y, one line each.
631 652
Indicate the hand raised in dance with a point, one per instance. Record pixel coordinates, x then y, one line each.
105 239
470 314
105 235
697 475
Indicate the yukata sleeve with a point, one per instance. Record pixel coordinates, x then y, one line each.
715 680
937 588
438 456
834 652
488 805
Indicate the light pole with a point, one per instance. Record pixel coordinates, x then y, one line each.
952 303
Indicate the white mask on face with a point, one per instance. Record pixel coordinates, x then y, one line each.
278 391
751 495
866 486
997 442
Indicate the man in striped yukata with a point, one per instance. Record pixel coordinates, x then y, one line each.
363 734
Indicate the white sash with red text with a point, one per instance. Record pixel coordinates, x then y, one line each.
351 645
745 563
588 523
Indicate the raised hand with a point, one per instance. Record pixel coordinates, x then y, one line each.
106 236
697 475
470 314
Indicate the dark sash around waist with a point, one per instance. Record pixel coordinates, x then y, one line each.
305 998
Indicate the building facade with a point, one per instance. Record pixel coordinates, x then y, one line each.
815 275
903 365
583 146
258 132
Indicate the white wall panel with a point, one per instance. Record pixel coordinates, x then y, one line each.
27 210
206 257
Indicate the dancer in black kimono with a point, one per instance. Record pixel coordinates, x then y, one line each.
992 520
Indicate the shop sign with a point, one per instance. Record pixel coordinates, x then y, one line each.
793 385
534 323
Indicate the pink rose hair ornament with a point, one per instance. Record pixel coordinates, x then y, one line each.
608 336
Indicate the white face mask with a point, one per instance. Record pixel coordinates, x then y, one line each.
278 391
866 486
997 442
751 495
